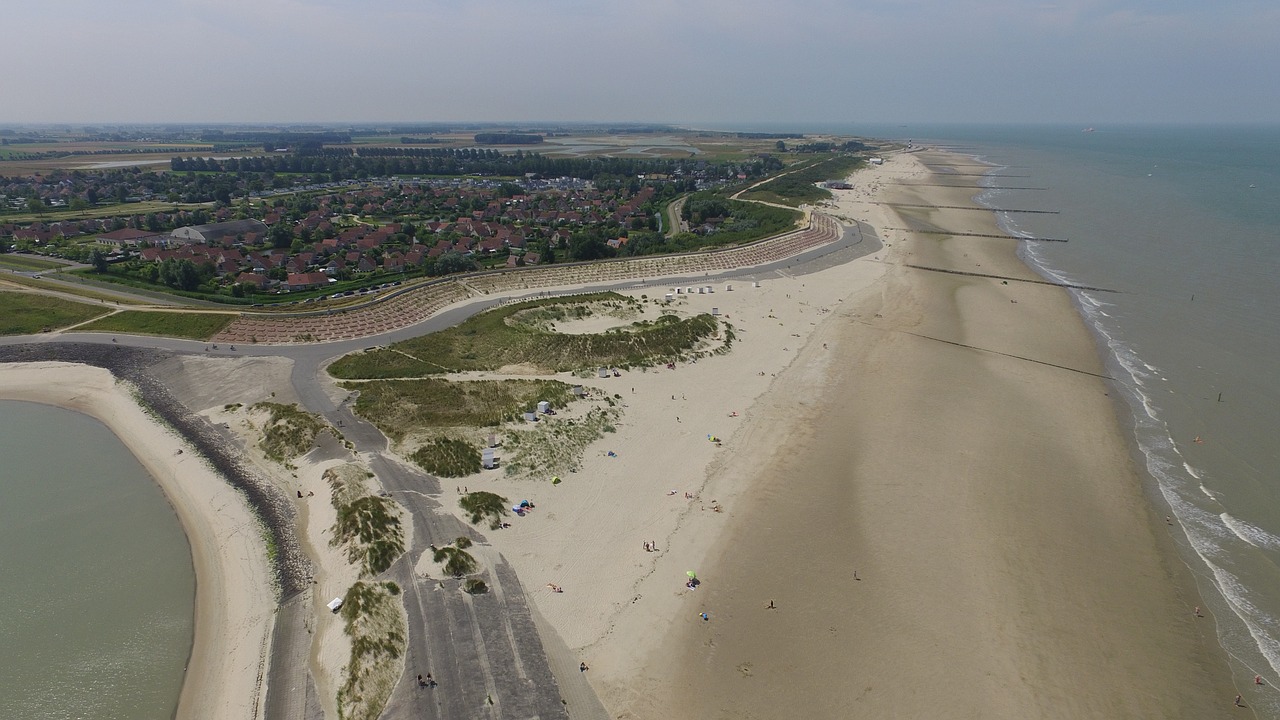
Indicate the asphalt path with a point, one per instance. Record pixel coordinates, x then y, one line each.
484 651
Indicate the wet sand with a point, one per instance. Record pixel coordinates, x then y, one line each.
964 458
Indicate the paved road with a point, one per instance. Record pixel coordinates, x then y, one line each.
484 651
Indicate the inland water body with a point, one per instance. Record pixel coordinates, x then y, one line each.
96 582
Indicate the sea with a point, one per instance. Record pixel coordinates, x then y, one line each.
1182 223
97 588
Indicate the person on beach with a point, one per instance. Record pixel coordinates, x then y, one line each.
1239 701
1257 680
421 682
771 606
582 667
1197 611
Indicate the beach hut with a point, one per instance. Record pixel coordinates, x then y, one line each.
544 407
531 417
669 297
488 459
715 311
679 291
755 283
604 372
710 290
335 605
578 391
728 288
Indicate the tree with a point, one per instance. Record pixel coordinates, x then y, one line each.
35 204
99 260
281 236
452 262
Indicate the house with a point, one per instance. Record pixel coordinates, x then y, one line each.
306 281
254 279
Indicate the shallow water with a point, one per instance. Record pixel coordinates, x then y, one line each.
95 575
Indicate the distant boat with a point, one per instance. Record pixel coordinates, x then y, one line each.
1088 129
1252 185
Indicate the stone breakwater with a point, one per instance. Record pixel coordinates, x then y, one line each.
413 305
291 566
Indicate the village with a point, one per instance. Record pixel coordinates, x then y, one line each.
388 226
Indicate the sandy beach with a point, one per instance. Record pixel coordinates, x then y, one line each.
235 601
948 438
904 492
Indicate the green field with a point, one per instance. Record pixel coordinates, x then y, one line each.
138 208
26 313
191 326
26 263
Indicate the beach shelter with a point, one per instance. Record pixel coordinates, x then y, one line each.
487 459
335 605
543 406
692 575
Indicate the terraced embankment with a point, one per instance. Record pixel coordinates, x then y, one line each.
416 304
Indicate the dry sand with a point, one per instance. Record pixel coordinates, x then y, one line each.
235 600
947 437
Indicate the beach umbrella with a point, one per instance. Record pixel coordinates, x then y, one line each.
692 575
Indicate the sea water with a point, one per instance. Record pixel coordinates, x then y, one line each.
1183 223
96 582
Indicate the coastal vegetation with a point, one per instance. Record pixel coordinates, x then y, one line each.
287 431
27 313
801 186
375 622
482 505
491 340
457 561
447 457
193 326
402 407
555 446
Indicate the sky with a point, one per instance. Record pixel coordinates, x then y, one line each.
700 63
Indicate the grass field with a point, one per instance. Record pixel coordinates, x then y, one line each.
68 289
191 326
27 313
138 208
26 263
490 340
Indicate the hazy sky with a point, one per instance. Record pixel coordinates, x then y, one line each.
701 62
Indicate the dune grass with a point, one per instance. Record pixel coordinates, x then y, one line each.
376 624
288 431
491 340
402 407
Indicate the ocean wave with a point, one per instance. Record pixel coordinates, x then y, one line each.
1251 534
